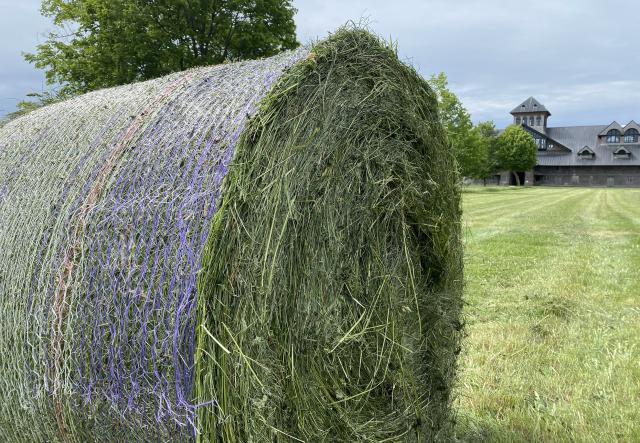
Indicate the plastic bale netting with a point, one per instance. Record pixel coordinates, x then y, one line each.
252 252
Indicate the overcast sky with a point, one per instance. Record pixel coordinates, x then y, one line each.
578 57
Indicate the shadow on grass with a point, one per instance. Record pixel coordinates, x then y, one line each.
475 189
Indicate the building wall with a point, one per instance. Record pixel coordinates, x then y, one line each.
543 120
613 176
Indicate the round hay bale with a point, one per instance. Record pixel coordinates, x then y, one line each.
259 251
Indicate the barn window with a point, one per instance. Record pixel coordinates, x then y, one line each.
586 154
622 154
613 136
631 136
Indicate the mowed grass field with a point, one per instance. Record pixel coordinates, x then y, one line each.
553 316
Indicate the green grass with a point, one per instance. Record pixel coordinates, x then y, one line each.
553 316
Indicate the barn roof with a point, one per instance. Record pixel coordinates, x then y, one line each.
530 105
576 138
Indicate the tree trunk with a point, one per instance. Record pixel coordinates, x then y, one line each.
517 176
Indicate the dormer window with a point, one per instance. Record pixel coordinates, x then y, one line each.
613 136
586 154
622 153
538 120
518 120
631 136
531 121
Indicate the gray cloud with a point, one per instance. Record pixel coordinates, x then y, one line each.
21 29
576 56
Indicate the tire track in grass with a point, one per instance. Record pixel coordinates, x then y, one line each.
624 251
526 371
527 246
482 202
627 205
507 205
479 197
513 392
478 228
482 199
599 350
506 200
498 326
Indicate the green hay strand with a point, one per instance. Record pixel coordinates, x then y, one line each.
330 297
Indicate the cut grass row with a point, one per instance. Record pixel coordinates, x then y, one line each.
553 316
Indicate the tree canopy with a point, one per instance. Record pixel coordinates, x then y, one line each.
470 144
516 150
484 136
103 43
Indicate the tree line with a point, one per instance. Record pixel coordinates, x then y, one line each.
102 43
481 150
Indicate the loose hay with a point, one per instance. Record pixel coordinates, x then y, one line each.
313 294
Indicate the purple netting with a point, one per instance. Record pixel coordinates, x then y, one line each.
130 179
144 247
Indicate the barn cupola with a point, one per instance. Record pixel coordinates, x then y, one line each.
531 113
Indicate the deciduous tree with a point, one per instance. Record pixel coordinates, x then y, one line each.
458 125
516 151
102 43
485 135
